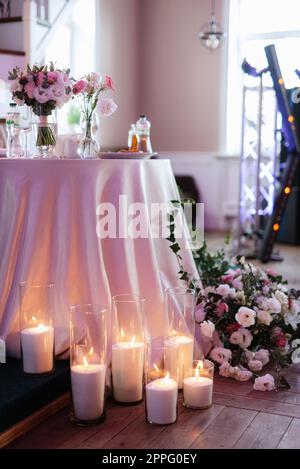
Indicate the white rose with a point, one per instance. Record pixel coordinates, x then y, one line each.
264 317
245 316
207 329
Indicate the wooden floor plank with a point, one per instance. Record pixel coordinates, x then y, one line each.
191 423
117 419
291 438
262 405
225 429
265 431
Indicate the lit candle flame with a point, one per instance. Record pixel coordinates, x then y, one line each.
85 362
91 351
173 332
198 368
156 367
34 319
167 375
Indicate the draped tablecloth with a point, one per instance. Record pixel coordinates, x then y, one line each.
48 220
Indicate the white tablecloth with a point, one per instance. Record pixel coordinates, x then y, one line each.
48 233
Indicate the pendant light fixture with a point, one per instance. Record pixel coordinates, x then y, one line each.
211 33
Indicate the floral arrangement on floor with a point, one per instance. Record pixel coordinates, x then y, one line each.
89 88
246 317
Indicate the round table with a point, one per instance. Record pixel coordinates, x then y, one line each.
50 218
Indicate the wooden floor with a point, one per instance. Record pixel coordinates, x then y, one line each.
239 417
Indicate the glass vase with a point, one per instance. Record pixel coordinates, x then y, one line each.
128 348
88 360
45 129
37 327
89 147
179 328
161 386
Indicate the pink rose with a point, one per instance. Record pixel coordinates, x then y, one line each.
264 317
207 329
79 87
225 369
41 95
29 89
225 290
243 375
245 316
241 337
263 356
106 107
264 383
52 77
255 365
108 83
220 354
222 308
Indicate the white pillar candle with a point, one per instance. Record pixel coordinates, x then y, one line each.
161 401
88 390
179 353
37 349
127 371
198 391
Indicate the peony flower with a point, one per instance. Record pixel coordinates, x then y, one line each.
207 329
255 365
225 290
29 89
220 354
264 383
42 95
241 337
79 87
108 83
225 369
199 313
245 316
106 107
263 317
222 308
263 355
282 298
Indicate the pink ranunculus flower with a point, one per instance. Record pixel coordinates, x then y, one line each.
264 383
29 89
207 329
106 107
245 316
263 317
199 313
79 87
241 337
255 365
263 355
108 83
222 308
220 354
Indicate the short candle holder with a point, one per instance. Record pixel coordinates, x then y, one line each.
198 385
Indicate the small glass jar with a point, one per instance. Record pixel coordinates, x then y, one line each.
161 387
128 348
88 360
180 328
198 385
37 327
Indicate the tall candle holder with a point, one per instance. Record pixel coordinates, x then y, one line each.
180 328
198 385
37 327
161 386
88 360
127 348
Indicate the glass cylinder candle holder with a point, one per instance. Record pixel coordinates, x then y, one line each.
88 360
128 348
161 387
37 327
180 328
198 385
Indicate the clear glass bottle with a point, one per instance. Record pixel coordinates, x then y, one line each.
132 138
143 134
12 121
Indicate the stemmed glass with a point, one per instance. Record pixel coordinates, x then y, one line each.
26 127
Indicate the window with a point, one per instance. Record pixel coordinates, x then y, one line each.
253 24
